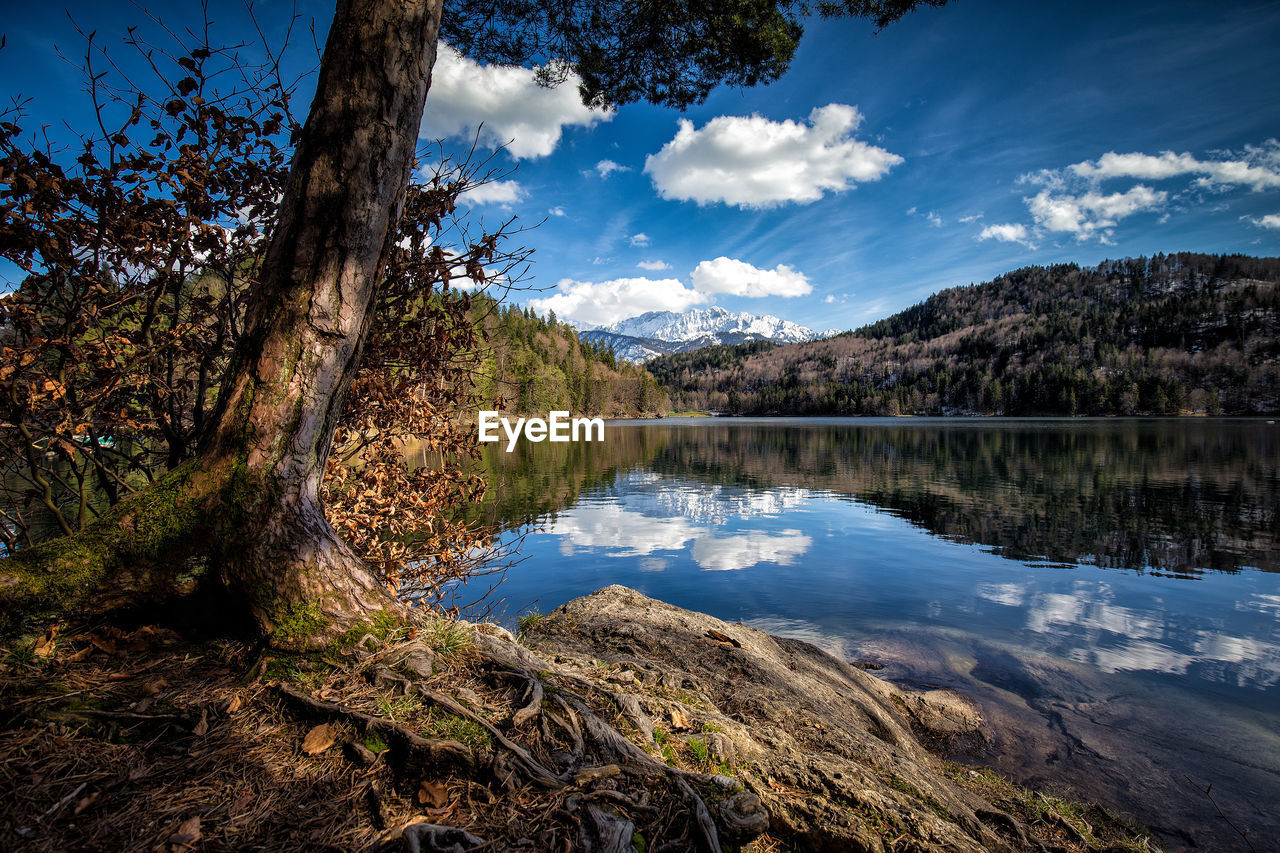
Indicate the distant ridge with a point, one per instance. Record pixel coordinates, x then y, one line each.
1171 334
639 339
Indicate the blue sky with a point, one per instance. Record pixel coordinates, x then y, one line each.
953 146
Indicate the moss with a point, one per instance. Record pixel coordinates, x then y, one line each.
374 743
51 578
148 529
297 624
699 750
445 726
637 841
380 625
161 518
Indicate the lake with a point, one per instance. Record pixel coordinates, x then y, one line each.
1109 590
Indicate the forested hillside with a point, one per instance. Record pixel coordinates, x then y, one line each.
1171 334
535 365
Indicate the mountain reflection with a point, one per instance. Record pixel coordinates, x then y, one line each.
1175 497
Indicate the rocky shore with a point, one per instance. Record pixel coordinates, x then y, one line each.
839 759
615 724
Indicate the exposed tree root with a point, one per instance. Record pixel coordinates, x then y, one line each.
425 754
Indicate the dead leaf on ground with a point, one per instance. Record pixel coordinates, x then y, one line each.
187 835
679 720
47 645
235 704
107 647
318 739
240 803
153 687
723 637
202 728
433 794
84 802
82 654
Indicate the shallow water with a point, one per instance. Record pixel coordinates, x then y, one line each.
1109 590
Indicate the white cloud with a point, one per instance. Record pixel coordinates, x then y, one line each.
972 218
1271 220
605 168
1091 214
934 219
640 240
556 211
750 161
604 302
744 550
1255 170
654 266
504 102
739 278
1008 232
505 193
615 527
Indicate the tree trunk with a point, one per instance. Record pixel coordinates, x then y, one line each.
307 321
250 498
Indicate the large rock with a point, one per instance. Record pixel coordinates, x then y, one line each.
834 754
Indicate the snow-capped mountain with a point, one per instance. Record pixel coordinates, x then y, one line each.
656 333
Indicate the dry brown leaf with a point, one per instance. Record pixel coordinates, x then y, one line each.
187 835
202 728
47 645
81 655
679 720
107 647
433 794
153 687
235 704
241 803
85 802
318 739
723 638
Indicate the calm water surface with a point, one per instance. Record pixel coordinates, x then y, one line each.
1109 590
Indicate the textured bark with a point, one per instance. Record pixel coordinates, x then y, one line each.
250 499
308 318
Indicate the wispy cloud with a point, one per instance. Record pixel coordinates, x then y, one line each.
1257 168
1270 221
605 168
